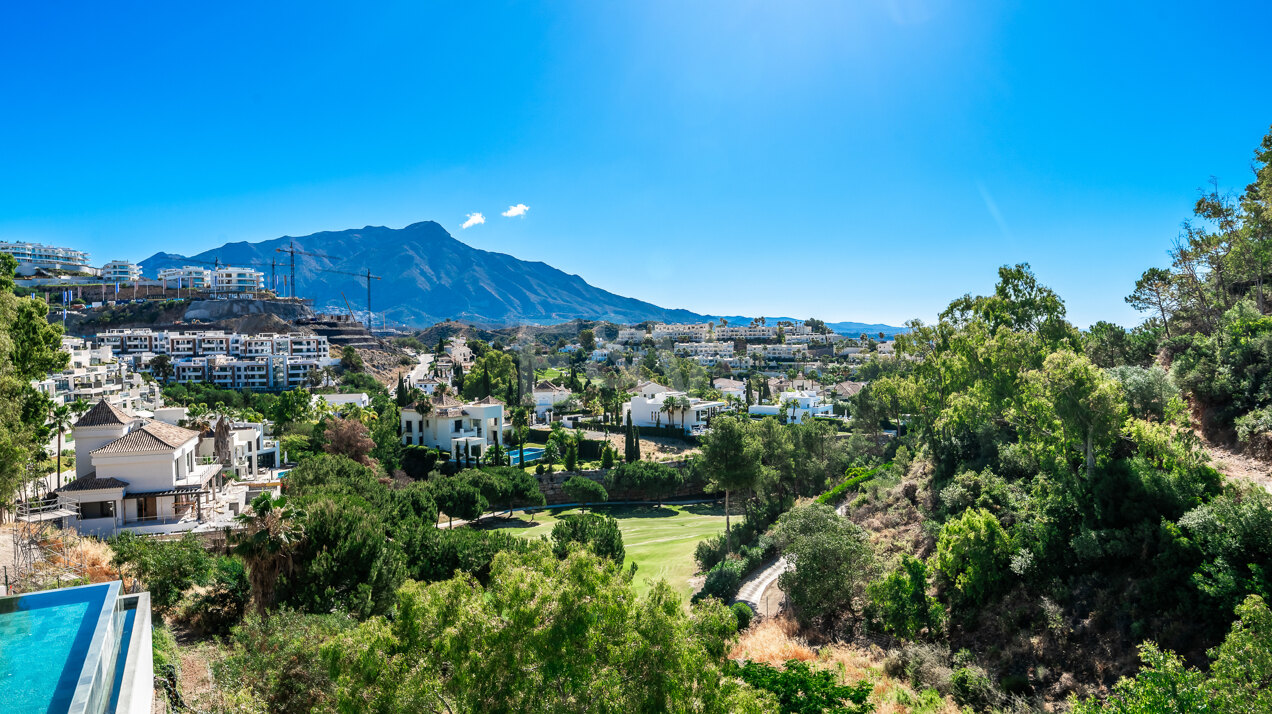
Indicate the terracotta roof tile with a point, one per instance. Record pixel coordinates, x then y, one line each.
104 413
153 436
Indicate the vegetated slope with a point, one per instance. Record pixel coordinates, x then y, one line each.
429 276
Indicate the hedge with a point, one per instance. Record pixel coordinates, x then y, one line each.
856 477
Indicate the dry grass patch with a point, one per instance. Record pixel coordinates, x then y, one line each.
776 640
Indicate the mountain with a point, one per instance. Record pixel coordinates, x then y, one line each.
429 276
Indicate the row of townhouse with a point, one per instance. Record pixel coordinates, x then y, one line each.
212 342
223 279
704 349
692 332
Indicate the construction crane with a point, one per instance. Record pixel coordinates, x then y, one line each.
293 251
368 277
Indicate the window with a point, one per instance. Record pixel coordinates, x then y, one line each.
97 509
408 426
459 425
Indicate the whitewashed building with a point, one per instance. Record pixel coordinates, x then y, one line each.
138 474
654 408
187 277
237 280
443 422
545 394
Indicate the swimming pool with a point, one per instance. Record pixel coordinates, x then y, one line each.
533 453
75 650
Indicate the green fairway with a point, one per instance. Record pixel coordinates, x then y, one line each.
659 540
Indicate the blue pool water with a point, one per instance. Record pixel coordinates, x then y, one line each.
532 454
44 641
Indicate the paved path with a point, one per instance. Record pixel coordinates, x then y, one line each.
754 586
758 582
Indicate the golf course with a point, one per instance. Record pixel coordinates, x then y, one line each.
659 540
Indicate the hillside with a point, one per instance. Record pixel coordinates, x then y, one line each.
429 276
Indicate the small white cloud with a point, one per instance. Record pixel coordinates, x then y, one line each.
474 219
517 210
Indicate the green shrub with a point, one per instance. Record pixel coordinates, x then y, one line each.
801 690
597 533
222 605
744 613
973 554
856 476
722 581
900 601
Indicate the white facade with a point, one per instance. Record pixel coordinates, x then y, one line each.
237 280
694 332
704 349
93 374
730 387
358 399
36 256
203 343
673 409
138 474
798 405
447 424
631 336
121 271
187 277
781 351
746 332
545 394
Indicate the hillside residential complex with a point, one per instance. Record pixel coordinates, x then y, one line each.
231 360
224 279
94 374
33 257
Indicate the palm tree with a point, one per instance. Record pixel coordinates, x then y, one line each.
271 531
60 418
521 422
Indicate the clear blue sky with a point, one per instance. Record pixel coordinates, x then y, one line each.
850 160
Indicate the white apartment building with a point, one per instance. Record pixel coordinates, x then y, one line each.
704 349
778 351
213 342
262 372
93 374
746 332
631 336
237 280
33 257
140 475
121 271
600 354
188 277
693 332
443 422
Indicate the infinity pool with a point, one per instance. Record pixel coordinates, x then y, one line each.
77 650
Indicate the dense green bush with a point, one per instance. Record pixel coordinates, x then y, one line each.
722 581
972 555
224 602
279 660
855 477
901 604
445 552
597 533
346 560
802 690
744 613
831 559
167 568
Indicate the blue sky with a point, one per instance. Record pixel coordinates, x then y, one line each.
849 160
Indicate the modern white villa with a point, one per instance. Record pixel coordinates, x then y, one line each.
138 474
798 405
445 423
664 407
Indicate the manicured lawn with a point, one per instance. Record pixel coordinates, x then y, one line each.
659 540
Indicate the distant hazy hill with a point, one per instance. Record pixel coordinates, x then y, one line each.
428 276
